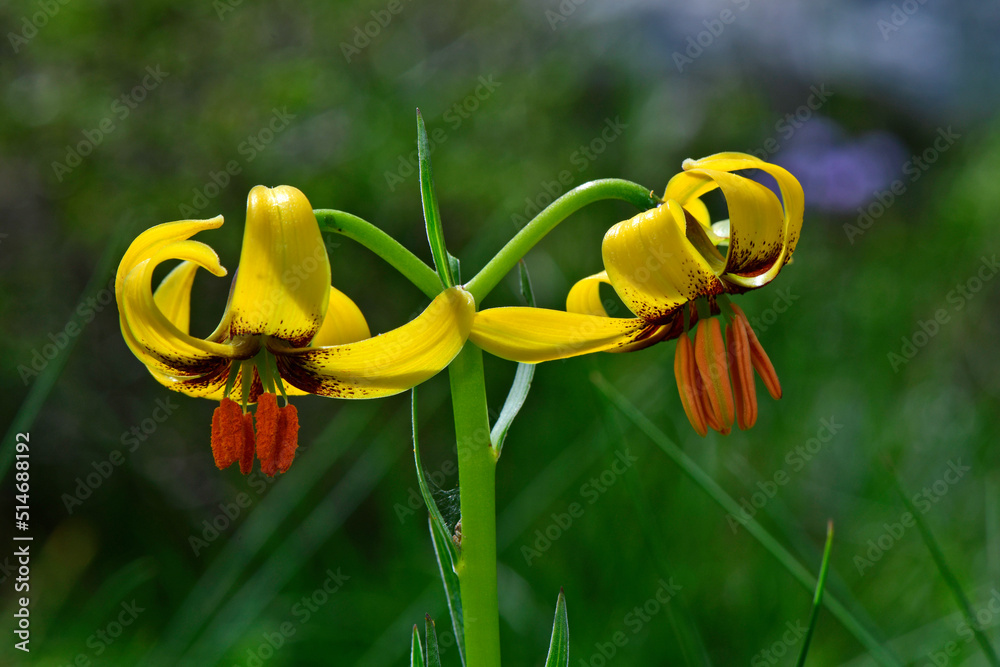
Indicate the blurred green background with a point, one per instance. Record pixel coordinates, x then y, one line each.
116 116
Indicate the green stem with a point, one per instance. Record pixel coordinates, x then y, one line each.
383 245
477 565
545 222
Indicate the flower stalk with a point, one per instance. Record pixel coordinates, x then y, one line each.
543 223
477 564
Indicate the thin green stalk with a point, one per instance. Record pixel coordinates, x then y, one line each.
949 577
818 595
719 495
477 565
543 223
383 245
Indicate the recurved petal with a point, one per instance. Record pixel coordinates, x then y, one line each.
388 363
149 332
283 280
173 296
654 266
533 335
787 233
585 296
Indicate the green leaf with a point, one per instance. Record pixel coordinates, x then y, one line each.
425 490
433 653
559 644
456 268
416 649
818 595
444 547
446 566
522 379
432 216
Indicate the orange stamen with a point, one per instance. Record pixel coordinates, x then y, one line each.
227 433
761 363
685 373
289 429
744 388
710 355
277 434
246 456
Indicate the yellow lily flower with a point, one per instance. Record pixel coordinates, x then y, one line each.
283 322
667 267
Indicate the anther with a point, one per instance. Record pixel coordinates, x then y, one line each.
710 355
227 433
744 388
758 357
277 434
686 373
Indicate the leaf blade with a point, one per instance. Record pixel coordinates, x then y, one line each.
432 215
559 643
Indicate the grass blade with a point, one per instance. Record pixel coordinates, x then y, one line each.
723 499
416 650
818 595
949 577
432 216
433 652
559 644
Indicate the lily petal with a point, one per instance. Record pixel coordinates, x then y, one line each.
533 335
585 296
763 235
344 322
389 363
150 333
654 266
283 281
